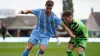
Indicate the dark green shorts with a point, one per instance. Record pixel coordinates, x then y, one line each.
79 42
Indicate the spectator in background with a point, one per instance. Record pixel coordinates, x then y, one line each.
3 30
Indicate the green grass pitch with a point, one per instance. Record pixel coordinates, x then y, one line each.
16 49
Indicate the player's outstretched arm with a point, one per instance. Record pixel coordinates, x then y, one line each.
25 11
68 30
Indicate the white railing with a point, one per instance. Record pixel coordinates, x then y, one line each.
25 39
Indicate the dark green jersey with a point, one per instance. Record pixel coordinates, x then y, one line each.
78 28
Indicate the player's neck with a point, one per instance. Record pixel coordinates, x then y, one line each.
47 14
70 22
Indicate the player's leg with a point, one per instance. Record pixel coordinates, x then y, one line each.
43 46
31 42
81 47
71 47
41 50
28 48
81 51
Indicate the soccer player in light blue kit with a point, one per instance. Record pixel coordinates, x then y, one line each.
46 26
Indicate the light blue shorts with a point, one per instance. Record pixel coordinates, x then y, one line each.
38 36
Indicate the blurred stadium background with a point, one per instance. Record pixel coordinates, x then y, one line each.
20 26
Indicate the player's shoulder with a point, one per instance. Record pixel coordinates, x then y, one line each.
55 16
77 20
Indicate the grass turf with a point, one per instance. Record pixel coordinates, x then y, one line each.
16 49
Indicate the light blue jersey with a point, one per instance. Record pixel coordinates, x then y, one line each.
45 27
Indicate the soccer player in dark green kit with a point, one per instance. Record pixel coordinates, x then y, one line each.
78 29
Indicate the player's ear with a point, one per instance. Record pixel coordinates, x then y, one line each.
45 5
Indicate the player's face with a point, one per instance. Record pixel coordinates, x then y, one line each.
68 19
48 7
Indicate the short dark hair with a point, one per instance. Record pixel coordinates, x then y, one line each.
67 13
49 3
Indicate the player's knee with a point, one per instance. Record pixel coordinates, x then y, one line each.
80 49
81 54
42 48
69 51
29 48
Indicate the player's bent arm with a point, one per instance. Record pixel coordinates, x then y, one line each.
62 35
25 11
60 29
58 35
68 30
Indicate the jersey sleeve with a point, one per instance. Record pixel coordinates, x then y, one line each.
36 12
58 21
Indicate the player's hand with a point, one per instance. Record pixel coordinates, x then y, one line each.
57 28
73 36
21 12
59 43
58 35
